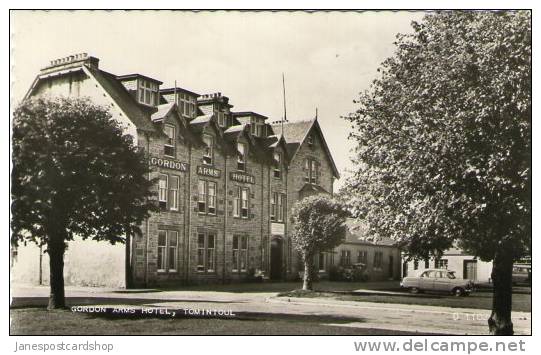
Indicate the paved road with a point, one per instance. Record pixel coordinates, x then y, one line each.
398 317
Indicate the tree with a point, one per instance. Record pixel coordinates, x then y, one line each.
74 174
443 140
318 225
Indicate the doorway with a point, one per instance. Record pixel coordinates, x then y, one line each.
276 259
470 270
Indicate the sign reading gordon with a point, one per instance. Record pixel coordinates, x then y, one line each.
169 164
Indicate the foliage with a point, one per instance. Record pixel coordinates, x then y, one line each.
75 173
444 137
318 224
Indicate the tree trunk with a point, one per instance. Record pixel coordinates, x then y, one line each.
127 265
56 269
308 274
500 322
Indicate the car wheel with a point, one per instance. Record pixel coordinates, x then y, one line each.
458 292
414 290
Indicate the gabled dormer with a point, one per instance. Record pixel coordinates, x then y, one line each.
219 106
186 100
255 121
145 90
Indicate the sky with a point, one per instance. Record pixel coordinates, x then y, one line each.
327 57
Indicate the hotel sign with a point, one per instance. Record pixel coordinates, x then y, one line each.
169 164
208 171
242 177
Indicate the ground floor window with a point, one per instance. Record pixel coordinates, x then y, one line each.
345 258
240 253
362 257
167 250
205 252
321 262
441 263
378 260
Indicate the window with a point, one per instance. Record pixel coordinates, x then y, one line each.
427 263
310 140
311 171
208 155
241 202
186 104
222 119
255 127
277 207
415 264
206 197
173 192
441 263
162 191
321 262
205 252
277 165
167 250
148 92
169 146
241 156
362 256
345 258
378 260
240 253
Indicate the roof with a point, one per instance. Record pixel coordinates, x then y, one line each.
172 90
248 113
358 232
122 98
235 129
296 132
163 110
313 188
135 76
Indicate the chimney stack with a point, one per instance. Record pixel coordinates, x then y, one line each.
72 61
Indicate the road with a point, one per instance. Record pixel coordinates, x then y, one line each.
396 317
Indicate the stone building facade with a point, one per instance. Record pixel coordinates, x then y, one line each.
226 180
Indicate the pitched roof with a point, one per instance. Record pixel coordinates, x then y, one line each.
122 98
296 132
313 188
357 232
163 110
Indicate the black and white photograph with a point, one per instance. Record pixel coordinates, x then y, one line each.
271 173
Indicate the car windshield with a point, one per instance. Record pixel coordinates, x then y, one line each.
451 275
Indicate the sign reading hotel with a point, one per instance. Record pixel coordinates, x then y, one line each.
241 177
208 171
169 164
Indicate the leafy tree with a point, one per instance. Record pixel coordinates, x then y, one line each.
74 174
443 139
318 225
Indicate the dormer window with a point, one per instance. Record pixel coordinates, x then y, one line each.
186 105
255 127
169 146
148 92
277 165
241 156
209 149
222 119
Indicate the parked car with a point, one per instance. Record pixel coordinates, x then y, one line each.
522 274
438 280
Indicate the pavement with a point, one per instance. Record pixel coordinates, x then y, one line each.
397 317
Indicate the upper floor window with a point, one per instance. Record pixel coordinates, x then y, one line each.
206 197
310 140
186 105
169 147
277 207
255 127
277 165
148 92
311 171
168 192
208 155
241 156
240 206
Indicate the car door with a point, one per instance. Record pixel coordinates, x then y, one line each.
426 281
441 281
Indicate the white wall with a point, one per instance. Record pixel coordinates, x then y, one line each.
455 263
86 263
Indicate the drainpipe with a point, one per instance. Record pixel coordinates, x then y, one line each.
225 216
